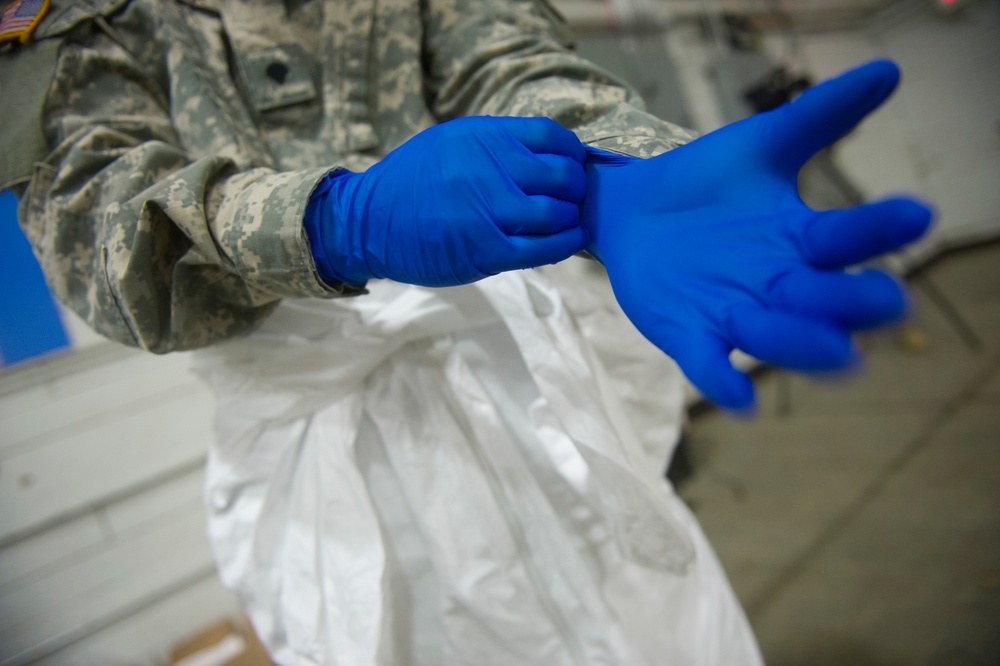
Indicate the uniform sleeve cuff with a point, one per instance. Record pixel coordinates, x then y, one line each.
272 253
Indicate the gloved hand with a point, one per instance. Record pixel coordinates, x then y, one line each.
709 247
456 203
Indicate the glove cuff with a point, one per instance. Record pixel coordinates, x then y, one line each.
332 230
599 159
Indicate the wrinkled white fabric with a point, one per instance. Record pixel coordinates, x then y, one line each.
461 476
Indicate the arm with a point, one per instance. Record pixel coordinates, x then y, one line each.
151 246
166 250
708 247
514 58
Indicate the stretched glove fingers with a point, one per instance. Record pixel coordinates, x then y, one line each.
544 135
855 302
826 112
705 361
790 341
838 238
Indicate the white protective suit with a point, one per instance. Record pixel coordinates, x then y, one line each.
462 476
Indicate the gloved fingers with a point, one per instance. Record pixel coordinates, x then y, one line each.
826 112
550 175
854 302
536 215
838 238
532 251
705 361
544 135
789 340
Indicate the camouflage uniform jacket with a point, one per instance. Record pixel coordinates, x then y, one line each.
179 141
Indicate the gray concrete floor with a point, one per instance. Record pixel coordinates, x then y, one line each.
859 519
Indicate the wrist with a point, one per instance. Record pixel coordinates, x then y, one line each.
599 163
334 230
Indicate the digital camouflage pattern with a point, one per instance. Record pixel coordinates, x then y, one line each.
185 138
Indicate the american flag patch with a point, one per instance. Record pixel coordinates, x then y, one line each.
20 19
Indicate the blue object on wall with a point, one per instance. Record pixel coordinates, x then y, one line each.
30 325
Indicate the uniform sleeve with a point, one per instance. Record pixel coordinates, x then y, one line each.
152 247
514 57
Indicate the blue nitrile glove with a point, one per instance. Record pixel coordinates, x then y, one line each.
456 203
709 247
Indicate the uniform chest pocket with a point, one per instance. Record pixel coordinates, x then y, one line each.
276 77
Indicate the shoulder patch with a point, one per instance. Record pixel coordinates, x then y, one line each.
21 18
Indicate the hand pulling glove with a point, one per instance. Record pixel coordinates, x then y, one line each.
709 247
456 203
